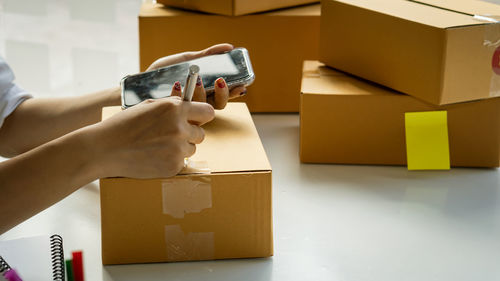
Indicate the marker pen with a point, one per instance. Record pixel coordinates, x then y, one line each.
11 275
8 273
190 85
189 88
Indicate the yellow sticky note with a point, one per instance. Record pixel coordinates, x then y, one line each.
427 145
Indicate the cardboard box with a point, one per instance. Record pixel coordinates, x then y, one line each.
234 7
218 208
277 42
347 120
436 51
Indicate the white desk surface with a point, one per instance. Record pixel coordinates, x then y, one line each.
331 222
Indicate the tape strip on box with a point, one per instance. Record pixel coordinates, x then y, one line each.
195 167
183 195
492 41
487 18
180 196
188 246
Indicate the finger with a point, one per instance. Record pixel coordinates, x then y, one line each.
176 90
237 92
146 101
215 49
190 150
196 134
199 92
221 94
211 100
199 113
181 57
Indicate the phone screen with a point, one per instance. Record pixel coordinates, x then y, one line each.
232 66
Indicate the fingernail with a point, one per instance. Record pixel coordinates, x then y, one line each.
177 86
221 83
243 93
198 81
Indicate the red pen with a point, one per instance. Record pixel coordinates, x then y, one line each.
78 265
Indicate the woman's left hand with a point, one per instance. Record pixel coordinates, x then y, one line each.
221 94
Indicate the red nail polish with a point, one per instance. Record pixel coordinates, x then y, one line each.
177 86
198 81
221 83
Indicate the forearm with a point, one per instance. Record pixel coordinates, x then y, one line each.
37 121
33 181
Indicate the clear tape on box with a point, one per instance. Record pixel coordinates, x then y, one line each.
184 195
181 196
492 41
195 167
188 246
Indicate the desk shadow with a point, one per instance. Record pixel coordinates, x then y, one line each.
235 269
461 193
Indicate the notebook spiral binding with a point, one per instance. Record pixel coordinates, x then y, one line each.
56 249
4 266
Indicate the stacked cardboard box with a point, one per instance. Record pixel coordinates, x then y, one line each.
438 51
348 120
438 55
278 41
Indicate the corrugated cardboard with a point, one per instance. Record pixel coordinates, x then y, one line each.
435 51
347 120
225 213
234 7
277 42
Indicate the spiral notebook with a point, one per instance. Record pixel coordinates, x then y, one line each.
35 258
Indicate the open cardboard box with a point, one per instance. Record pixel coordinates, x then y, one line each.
234 7
347 120
441 52
219 207
277 43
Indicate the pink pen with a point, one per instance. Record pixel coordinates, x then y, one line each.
11 275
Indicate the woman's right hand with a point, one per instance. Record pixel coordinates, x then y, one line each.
151 139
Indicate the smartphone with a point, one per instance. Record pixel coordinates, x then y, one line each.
234 66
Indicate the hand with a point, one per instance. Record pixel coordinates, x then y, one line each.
222 93
218 100
151 139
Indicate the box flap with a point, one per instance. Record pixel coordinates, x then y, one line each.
158 10
306 10
415 12
231 143
470 7
224 7
319 79
242 7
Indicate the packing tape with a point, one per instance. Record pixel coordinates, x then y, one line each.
195 167
492 41
188 246
487 18
183 195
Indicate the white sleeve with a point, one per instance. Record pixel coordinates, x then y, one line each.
11 96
